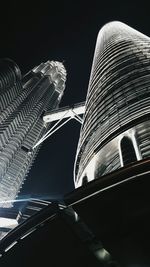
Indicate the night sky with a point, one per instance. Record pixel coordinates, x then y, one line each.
64 31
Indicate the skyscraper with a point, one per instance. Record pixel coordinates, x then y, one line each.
116 127
23 101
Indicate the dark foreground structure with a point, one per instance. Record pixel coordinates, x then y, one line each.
104 222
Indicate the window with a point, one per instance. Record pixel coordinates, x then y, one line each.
84 180
127 151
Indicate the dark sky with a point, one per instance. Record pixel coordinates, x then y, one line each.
32 33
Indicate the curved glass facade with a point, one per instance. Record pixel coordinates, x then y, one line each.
117 103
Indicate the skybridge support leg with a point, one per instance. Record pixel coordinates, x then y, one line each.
69 114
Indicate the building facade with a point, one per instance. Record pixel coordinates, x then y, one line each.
23 101
116 127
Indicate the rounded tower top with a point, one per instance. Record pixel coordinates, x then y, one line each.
117 94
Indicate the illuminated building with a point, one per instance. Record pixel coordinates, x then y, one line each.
23 101
104 222
116 127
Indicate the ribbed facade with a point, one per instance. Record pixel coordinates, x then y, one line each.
116 127
23 100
